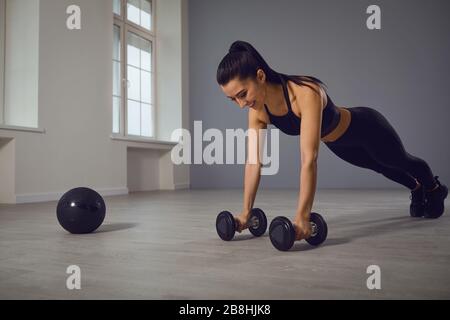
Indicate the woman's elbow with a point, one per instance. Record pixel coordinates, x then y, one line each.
310 158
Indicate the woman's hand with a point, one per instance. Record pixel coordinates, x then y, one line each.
302 228
241 221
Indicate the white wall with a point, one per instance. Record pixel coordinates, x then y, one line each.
143 169
172 71
7 170
182 172
168 70
75 98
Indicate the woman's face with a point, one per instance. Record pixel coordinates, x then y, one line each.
247 93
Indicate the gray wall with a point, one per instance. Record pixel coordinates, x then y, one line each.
401 70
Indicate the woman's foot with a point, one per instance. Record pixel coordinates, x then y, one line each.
434 200
417 206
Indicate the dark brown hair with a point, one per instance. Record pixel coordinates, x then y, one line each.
243 61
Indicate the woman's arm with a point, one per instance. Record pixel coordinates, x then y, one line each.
311 114
252 166
251 182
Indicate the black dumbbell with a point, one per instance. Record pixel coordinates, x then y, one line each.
282 232
226 225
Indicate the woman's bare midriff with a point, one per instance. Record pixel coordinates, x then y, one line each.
341 128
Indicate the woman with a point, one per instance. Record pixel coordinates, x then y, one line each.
299 105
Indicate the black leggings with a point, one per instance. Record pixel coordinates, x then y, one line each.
371 142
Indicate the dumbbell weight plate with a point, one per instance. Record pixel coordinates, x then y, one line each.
258 222
282 233
321 230
225 225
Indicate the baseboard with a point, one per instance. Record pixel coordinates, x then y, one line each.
181 186
55 196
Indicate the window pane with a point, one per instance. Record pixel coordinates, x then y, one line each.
139 76
20 63
140 12
146 55
116 7
146 120
134 118
116 79
133 45
116 44
146 87
133 8
134 84
116 115
146 14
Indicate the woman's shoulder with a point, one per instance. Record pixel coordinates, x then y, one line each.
308 90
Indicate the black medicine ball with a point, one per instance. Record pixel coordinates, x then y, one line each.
81 210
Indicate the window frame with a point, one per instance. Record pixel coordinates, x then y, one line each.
126 26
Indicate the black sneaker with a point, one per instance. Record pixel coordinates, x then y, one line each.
417 206
434 201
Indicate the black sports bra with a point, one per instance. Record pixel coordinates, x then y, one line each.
290 123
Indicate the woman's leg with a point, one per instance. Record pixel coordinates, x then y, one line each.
379 139
358 156
383 144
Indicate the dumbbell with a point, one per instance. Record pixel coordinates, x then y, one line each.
226 225
282 232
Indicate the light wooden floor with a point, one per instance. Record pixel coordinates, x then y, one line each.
163 245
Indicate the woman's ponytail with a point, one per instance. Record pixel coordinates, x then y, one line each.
243 61
239 46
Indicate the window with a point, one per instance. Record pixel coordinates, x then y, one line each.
2 58
117 92
117 7
19 62
133 68
140 12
